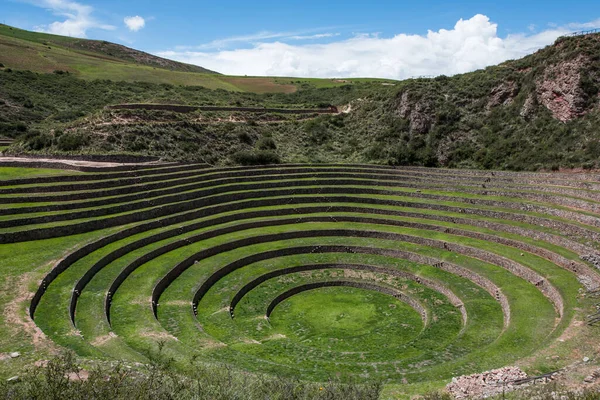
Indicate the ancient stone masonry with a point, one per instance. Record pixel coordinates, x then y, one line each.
579 268
593 259
194 202
435 239
437 286
158 169
188 109
484 283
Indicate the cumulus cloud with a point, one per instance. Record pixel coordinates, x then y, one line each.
472 44
77 18
134 24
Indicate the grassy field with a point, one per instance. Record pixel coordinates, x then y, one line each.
7 173
457 271
39 52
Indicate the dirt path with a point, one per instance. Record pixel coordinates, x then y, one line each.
80 163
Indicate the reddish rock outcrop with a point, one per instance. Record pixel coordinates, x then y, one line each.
559 89
420 113
503 94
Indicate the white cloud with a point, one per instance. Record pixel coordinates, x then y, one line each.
134 24
258 37
313 37
78 18
585 26
472 44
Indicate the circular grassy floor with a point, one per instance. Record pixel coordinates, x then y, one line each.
346 319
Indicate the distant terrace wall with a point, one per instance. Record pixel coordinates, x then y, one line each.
188 109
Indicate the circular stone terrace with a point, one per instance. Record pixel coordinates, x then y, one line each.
360 272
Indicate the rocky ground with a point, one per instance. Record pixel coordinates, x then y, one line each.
486 384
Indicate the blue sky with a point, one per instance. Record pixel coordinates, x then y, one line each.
395 39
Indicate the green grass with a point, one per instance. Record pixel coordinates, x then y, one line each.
7 173
340 333
46 53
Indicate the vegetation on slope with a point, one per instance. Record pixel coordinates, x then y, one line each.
94 59
540 112
63 377
26 41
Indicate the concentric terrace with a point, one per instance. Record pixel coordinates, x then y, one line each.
406 275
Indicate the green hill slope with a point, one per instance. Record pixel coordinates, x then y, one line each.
539 112
96 59
94 49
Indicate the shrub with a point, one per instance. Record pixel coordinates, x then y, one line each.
12 129
256 158
158 380
244 137
69 115
36 140
317 131
266 143
71 142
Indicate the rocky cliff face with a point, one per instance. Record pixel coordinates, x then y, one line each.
564 78
503 94
559 89
419 112
548 101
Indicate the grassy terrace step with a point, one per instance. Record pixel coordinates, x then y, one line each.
89 329
489 266
427 303
8 173
565 201
582 218
332 170
80 286
436 286
565 181
54 224
69 176
161 263
128 186
565 263
451 246
179 231
167 304
541 176
417 298
335 208
107 182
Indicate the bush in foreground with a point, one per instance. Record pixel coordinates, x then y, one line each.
256 158
63 378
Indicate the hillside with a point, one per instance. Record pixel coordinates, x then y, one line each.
540 112
94 59
99 49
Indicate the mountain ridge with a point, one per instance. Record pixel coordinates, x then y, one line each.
111 51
